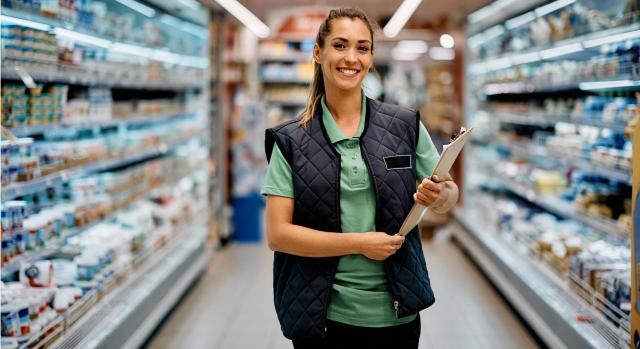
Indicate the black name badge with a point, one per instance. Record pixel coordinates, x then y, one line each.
397 162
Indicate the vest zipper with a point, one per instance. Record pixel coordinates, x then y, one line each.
396 305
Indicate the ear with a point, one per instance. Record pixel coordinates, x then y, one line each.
316 54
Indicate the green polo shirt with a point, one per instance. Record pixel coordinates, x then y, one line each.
360 294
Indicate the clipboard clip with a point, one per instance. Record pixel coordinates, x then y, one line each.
456 135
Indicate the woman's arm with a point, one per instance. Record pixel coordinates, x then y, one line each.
284 236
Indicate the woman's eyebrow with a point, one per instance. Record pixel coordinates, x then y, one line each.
347 40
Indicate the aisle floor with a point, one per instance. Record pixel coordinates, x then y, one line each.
231 306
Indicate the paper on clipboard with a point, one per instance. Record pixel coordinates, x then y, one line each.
447 158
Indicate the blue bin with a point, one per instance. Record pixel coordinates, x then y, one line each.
247 217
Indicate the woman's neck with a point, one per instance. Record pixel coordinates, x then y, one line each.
344 105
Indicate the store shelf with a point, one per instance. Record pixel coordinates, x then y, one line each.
25 131
541 120
542 299
78 76
289 58
290 104
286 81
132 48
590 166
39 184
586 41
125 317
624 82
560 207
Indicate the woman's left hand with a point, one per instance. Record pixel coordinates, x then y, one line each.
431 191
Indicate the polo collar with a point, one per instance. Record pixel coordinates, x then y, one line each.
333 131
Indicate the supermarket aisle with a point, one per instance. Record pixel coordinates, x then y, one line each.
231 306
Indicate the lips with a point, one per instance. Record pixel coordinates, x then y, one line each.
349 71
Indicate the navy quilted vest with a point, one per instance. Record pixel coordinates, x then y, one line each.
302 285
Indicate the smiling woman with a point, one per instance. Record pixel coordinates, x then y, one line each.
343 278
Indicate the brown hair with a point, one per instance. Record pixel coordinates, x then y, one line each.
317 84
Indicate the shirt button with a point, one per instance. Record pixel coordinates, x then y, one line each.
354 157
355 169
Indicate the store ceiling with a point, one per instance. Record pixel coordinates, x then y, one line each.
437 14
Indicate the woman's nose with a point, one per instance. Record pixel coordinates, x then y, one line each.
350 57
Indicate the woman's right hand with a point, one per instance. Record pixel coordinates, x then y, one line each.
379 245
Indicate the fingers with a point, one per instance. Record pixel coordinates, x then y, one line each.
429 185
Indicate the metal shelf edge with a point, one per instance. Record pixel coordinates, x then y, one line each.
527 300
170 271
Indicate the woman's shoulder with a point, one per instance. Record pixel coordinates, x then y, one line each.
391 109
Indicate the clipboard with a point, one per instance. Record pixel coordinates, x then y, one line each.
447 158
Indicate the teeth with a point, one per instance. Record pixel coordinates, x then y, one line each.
348 71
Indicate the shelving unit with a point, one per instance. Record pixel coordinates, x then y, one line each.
515 93
132 300
545 301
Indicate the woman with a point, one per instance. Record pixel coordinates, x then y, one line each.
340 181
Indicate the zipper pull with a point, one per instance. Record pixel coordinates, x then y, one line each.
396 305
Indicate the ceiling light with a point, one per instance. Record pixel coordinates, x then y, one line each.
561 51
554 6
442 54
446 41
520 20
412 46
79 37
136 6
602 85
400 18
246 17
612 38
24 23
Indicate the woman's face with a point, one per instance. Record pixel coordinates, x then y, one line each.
346 56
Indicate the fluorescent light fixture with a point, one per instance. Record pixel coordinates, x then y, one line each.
612 38
442 54
447 41
136 6
554 6
520 20
79 37
24 23
400 18
526 58
561 51
247 18
412 46
602 85
192 4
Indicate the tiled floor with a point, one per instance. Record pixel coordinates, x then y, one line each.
231 306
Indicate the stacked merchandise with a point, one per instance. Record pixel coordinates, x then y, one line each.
104 45
553 93
286 70
99 187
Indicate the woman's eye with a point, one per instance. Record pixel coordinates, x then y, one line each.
364 49
338 46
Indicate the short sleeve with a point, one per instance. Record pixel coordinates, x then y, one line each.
426 155
279 179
